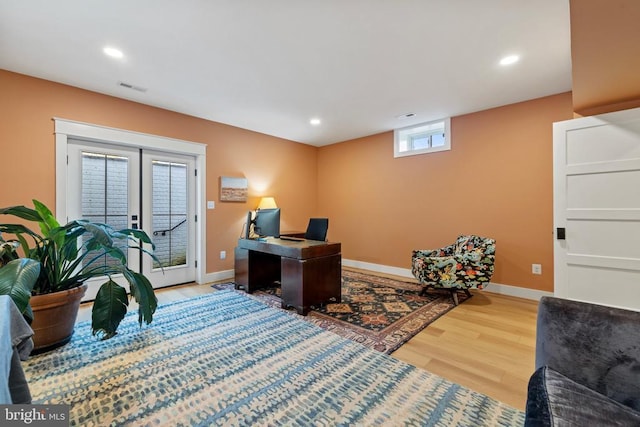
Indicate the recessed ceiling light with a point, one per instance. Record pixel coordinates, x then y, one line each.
508 60
315 122
113 52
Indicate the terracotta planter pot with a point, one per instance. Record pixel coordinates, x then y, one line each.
54 317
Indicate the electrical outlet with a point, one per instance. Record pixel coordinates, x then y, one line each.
223 254
536 268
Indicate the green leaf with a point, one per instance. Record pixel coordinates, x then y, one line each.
60 237
15 229
101 233
142 291
17 278
69 249
23 244
47 221
137 234
137 237
109 309
153 257
22 212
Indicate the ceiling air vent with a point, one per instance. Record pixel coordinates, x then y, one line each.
132 87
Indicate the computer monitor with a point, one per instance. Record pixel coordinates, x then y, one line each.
247 225
267 222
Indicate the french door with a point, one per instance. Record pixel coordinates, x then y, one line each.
133 188
168 194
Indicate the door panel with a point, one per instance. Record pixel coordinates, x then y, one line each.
169 217
606 238
597 201
589 283
103 183
609 188
586 145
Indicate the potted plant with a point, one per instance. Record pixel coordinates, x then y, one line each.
17 277
68 255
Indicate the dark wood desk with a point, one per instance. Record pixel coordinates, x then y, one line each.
293 233
309 271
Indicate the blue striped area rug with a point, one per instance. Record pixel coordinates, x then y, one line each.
226 359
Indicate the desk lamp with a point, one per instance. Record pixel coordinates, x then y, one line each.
267 203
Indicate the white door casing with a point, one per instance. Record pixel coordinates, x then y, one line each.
597 203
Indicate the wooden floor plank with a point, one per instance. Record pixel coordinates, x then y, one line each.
497 335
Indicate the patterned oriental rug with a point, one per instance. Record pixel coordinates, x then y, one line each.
375 311
226 359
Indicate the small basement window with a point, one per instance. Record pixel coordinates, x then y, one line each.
422 138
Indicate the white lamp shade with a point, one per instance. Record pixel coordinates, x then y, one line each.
267 203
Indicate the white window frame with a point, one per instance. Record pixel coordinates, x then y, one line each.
413 131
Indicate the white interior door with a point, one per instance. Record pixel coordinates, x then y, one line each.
597 206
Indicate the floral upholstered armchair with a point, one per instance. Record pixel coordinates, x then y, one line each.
466 264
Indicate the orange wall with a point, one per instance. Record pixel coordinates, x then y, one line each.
605 55
27 106
496 181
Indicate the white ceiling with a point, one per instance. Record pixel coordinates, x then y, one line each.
270 66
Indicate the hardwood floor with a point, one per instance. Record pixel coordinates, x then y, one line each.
486 343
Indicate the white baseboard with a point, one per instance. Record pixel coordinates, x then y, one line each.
496 288
218 276
378 268
517 291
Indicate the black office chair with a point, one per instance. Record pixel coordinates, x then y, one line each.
317 229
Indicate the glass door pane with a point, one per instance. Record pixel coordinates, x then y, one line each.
169 213
105 195
103 185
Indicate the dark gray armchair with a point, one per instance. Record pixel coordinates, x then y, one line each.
587 366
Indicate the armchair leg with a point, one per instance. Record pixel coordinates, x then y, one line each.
466 291
454 295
